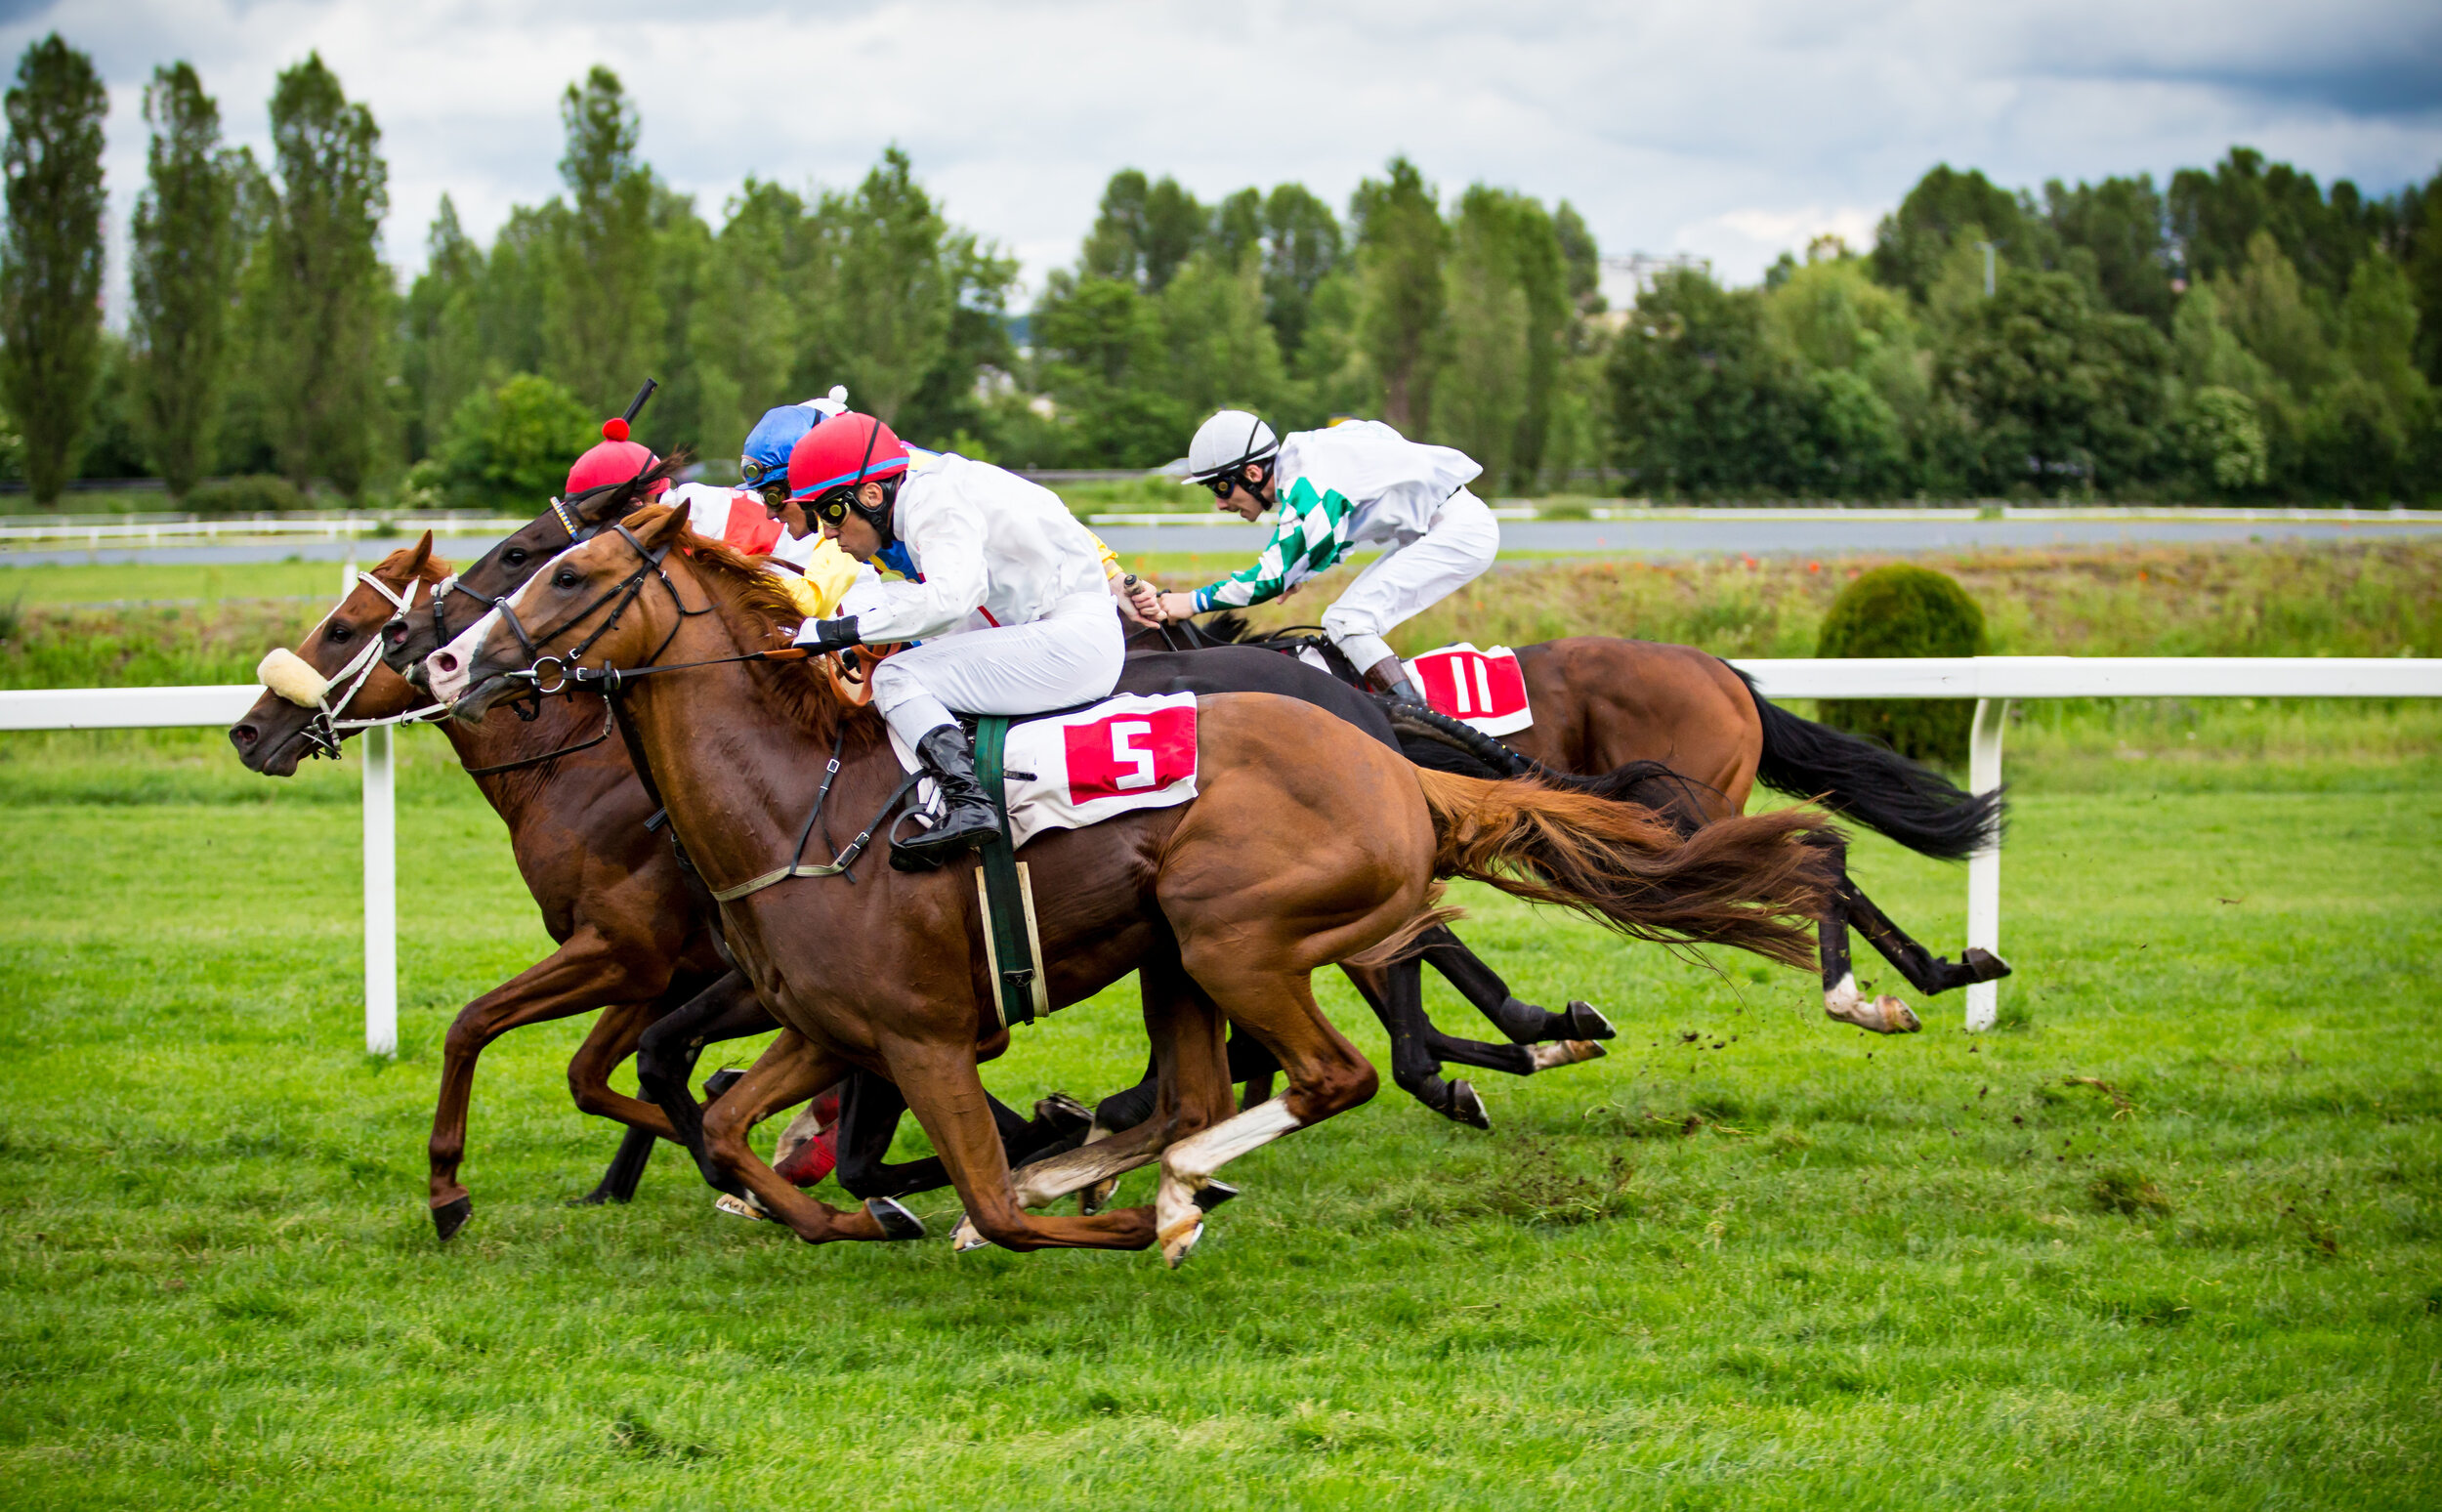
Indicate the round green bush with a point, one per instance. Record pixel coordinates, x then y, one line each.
1905 610
258 493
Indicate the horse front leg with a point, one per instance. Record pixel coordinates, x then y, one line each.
1841 999
791 1070
582 974
666 1057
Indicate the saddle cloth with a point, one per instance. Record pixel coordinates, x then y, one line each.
1483 687
1070 769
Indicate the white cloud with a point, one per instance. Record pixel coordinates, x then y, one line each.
1733 128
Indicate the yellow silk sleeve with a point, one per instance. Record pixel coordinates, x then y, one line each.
1110 558
829 573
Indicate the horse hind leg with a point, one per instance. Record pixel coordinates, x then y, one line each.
1396 994
1928 973
1521 1022
1841 999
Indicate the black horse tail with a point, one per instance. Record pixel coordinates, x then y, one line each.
1876 786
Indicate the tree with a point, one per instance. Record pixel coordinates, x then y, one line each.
318 295
746 326
1301 248
1702 405
51 260
2056 395
604 330
1144 231
183 265
1944 206
509 446
1508 326
443 360
1401 242
2215 218
893 284
2121 226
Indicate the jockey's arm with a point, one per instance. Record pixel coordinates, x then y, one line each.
1287 560
1141 600
955 581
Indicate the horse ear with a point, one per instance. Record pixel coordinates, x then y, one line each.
421 554
663 530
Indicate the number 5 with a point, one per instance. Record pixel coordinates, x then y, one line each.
1124 754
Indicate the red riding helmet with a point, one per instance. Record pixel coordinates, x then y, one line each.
841 452
613 460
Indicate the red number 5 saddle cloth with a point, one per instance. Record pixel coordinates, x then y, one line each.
1483 687
1069 771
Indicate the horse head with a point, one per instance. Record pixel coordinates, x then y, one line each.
314 696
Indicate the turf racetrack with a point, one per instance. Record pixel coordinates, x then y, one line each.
1751 1260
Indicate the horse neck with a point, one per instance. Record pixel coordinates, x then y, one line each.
733 762
500 737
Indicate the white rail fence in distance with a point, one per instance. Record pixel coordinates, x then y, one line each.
1994 682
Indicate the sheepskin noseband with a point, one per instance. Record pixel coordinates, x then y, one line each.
293 678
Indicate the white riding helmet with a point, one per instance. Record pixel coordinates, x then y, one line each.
1226 442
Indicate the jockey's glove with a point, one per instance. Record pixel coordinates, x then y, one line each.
829 635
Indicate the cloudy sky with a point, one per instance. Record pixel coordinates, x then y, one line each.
1731 129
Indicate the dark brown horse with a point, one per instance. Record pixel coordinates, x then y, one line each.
1601 704
1309 843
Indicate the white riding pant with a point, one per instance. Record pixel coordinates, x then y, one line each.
1070 655
1453 552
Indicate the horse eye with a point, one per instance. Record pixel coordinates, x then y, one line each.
338 634
565 577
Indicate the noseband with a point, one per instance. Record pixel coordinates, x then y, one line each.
569 512
563 670
327 729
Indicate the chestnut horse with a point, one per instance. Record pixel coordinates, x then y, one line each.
635 936
1601 704
1308 843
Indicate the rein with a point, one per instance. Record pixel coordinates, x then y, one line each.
611 682
323 732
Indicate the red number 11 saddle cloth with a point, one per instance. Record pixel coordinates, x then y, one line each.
1483 687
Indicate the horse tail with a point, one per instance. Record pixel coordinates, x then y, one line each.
1735 882
1869 783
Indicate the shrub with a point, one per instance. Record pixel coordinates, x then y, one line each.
259 493
512 446
1905 610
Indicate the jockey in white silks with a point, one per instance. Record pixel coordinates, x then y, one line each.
1358 482
1006 591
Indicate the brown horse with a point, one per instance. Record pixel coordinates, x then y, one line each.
1309 843
1601 704
610 892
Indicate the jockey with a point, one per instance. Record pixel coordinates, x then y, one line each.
1007 592
1356 484
819 573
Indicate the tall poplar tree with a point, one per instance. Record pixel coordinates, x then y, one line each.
605 322
1400 241
183 265
51 257
317 296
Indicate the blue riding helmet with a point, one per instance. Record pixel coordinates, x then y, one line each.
768 445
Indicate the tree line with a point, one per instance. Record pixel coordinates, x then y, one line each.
2241 334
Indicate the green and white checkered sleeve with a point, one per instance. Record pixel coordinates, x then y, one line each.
1309 537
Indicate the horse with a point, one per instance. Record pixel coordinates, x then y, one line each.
1538 1039
1308 844
635 936
1601 704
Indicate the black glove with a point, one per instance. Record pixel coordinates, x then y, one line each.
830 635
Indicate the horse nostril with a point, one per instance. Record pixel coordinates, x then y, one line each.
245 734
444 661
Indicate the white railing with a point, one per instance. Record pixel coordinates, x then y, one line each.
95 534
1991 680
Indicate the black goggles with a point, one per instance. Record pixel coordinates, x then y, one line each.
832 508
755 475
773 491
1221 487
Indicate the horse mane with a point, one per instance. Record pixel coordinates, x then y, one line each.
753 601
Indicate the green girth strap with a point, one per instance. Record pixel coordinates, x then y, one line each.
1008 912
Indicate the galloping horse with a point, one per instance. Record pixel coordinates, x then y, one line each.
1601 704
1308 843
634 937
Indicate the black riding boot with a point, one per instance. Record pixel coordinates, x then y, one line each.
1391 675
968 819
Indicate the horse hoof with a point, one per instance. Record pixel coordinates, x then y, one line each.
1063 1112
1175 1250
1466 1107
1565 1052
1897 1017
594 1198
721 1082
1587 1021
1987 966
966 1236
1094 1199
1213 1194
452 1216
897 1222
746 1208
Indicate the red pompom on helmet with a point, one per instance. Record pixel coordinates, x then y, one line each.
614 460
842 452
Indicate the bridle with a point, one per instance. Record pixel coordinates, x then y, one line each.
327 729
569 512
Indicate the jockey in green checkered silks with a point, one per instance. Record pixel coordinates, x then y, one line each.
1358 482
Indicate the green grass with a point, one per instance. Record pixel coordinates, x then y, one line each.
1750 1260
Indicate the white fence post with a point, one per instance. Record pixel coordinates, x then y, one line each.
1984 867
381 894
